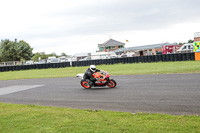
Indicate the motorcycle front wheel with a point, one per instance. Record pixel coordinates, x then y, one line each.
111 83
85 84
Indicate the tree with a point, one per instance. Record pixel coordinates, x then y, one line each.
180 43
190 41
15 51
8 51
40 55
24 50
63 54
53 54
36 57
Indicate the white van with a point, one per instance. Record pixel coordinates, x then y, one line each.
51 59
186 48
63 59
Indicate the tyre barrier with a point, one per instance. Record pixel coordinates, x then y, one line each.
34 66
137 59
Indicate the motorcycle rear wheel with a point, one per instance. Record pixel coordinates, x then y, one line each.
111 83
85 84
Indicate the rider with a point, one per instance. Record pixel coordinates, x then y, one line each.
88 74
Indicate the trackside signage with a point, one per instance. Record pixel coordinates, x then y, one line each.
196 46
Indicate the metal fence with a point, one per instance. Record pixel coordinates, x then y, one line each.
34 66
12 63
137 59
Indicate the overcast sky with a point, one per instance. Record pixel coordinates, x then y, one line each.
78 26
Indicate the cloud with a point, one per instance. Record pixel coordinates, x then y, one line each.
49 22
95 17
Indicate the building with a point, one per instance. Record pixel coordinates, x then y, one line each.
110 45
153 49
93 56
197 37
102 55
79 56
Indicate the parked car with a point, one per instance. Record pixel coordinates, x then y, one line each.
42 62
114 57
50 58
63 59
29 62
86 58
55 60
123 56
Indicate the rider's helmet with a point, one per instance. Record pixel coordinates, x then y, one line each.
93 68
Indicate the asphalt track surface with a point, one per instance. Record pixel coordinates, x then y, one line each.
177 94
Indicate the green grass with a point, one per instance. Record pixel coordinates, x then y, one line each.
117 69
38 119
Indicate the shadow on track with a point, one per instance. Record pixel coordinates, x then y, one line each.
99 88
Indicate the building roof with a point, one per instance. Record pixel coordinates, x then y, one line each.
103 53
152 46
120 50
111 42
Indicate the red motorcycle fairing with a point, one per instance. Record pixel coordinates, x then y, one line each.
101 77
100 83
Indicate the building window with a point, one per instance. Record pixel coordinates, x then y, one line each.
120 46
112 47
101 49
108 47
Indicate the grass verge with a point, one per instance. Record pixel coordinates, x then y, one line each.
117 69
37 119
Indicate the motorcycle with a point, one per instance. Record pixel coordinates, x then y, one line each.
103 79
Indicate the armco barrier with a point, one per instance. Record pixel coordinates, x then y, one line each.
137 59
